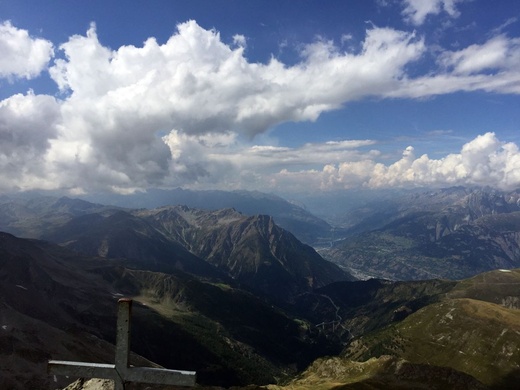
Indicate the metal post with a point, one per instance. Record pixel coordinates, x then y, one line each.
124 313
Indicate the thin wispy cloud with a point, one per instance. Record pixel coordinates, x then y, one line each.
416 11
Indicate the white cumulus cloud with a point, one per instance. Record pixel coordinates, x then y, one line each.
493 66
27 126
483 161
22 55
186 112
120 103
197 84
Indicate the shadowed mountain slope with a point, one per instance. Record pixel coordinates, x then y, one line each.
49 307
224 244
252 250
125 236
56 304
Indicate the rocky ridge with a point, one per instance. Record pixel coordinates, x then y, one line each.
252 250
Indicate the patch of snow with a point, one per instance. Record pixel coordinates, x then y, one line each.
4 327
20 286
504 270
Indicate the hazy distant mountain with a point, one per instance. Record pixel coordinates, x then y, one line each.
452 233
304 225
457 205
31 216
345 209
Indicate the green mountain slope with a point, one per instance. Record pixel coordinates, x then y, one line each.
364 306
475 337
501 287
451 335
385 372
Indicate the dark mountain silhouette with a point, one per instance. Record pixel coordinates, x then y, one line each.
252 250
125 236
56 304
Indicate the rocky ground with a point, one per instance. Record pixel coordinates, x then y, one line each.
104 384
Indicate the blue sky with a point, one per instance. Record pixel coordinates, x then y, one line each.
278 96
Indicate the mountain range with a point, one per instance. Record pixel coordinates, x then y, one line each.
250 250
241 300
399 235
450 233
57 304
290 215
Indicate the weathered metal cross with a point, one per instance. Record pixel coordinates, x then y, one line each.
121 372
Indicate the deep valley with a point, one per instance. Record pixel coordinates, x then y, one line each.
243 301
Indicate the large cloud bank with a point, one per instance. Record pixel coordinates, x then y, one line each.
185 112
483 161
